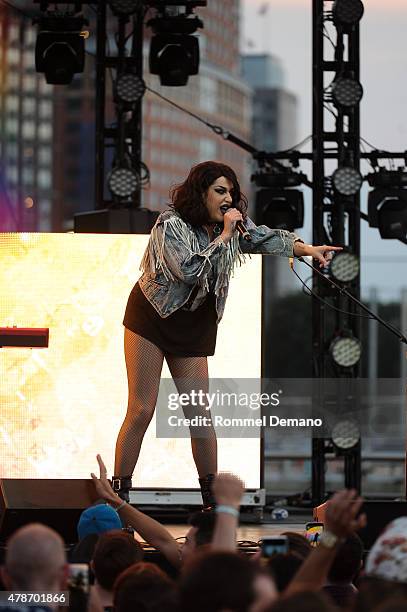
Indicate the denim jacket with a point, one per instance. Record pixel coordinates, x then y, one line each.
180 258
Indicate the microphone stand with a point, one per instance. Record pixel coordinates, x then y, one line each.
344 291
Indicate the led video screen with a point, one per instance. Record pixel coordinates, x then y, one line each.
62 405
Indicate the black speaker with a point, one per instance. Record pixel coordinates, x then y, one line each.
116 221
379 513
56 503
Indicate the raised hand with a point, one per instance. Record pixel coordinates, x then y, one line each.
103 487
322 253
341 513
228 489
230 218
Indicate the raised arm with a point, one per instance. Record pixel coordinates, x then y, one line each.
228 490
340 521
151 530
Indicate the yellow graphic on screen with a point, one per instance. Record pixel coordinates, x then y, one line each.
62 405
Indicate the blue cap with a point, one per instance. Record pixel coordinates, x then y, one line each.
98 519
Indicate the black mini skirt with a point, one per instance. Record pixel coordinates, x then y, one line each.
183 333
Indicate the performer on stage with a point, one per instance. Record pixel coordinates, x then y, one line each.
174 309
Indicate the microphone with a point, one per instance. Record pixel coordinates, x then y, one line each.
240 227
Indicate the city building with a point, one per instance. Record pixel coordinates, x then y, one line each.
26 130
274 128
173 140
48 137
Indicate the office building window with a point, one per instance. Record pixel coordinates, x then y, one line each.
44 179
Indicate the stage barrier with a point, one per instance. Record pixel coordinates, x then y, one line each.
62 405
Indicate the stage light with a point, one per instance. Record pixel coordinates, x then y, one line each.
129 89
387 210
345 350
345 267
388 178
122 8
346 92
174 57
60 48
345 434
387 204
280 208
393 219
174 52
123 182
347 12
347 181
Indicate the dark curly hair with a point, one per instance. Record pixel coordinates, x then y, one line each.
189 198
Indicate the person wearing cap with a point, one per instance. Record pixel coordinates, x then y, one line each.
98 519
93 521
219 533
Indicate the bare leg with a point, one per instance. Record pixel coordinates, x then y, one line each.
191 373
144 363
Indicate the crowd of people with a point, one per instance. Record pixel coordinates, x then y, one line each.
207 573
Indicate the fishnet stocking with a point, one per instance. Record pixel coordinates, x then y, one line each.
144 362
191 373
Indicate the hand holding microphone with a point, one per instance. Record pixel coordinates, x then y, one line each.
233 221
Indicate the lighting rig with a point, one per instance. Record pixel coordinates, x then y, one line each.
174 56
336 184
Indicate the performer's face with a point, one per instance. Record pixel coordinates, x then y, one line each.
219 199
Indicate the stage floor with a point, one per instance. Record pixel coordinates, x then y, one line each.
251 533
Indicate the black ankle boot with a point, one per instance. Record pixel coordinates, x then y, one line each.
208 499
122 485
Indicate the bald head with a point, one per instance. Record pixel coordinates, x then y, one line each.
35 559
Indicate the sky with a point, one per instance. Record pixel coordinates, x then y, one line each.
285 29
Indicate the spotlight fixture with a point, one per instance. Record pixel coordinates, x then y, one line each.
280 208
387 210
174 58
347 13
387 203
345 434
60 48
124 8
123 182
129 89
346 92
347 180
174 52
388 178
345 267
345 350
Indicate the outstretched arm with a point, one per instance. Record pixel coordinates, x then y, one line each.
268 241
151 530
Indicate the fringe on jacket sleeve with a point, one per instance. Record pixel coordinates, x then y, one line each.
173 249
